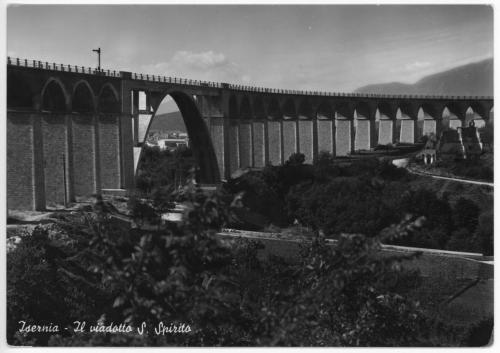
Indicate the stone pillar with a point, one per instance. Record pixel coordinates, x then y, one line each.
126 140
373 132
70 195
386 130
289 138
344 137
325 135
258 144
363 134
97 153
38 163
135 117
314 123
245 141
83 154
218 136
409 129
274 142
233 144
306 139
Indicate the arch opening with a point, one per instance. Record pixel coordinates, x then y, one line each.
108 101
53 97
258 108
178 146
305 110
274 111
289 111
245 109
19 92
325 111
233 108
83 99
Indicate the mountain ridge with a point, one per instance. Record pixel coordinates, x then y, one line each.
172 121
474 79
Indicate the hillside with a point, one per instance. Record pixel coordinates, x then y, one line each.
168 122
475 79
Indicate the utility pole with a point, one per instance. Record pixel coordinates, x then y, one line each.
98 51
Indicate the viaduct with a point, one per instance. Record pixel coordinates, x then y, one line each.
74 131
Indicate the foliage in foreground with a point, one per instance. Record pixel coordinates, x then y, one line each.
226 293
364 196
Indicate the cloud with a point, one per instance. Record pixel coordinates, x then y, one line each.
208 65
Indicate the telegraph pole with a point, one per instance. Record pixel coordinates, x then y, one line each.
98 51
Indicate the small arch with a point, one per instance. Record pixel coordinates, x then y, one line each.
233 107
274 111
386 111
83 99
289 111
420 113
363 110
305 110
325 111
19 92
258 108
108 100
54 96
399 114
245 108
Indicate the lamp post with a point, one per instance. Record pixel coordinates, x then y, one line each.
98 51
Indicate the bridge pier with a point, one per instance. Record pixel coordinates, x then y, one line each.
245 140
259 143
326 136
289 138
366 133
409 131
218 136
306 139
344 137
386 131
233 146
274 139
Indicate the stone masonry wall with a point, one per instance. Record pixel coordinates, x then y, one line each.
20 158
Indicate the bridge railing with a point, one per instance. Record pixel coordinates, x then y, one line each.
45 65
183 81
176 80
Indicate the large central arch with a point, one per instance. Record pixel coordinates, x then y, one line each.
199 136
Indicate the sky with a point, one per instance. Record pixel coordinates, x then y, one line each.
308 47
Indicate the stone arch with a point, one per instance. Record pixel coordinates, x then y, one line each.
289 111
364 110
399 114
108 101
274 110
83 98
306 110
472 115
233 107
480 109
386 110
325 111
344 110
19 92
199 135
258 108
245 108
54 96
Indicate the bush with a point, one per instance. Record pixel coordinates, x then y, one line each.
48 283
483 236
